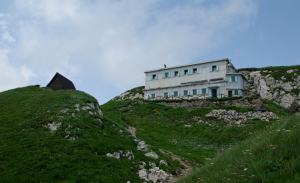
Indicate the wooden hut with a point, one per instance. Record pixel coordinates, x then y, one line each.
59 82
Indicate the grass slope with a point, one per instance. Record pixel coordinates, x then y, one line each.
163 128
269 156
29 152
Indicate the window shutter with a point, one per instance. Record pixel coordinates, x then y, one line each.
210 68
191 71
236 78
182 93
169 74
164 74
218 92
196 92
151 77
206 90
188 72
200 91
209 92
239 92
233 93
172 93
191 92
197 70
162 96
173 74
182 72
178 73
229 79
217 67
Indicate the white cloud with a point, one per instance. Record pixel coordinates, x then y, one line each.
10 76
118 40
26 72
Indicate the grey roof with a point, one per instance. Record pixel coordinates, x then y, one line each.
217 60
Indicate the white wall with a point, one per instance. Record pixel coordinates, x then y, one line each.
174 81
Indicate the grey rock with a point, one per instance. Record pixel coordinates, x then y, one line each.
290 71
85 107
91 113
99 111
73 114
188 126
152 155
143 173
91 105
287 86
163 162
53 126
143 165
64 111
153 165
114 155
142 146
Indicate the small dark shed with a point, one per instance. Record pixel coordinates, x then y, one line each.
59 82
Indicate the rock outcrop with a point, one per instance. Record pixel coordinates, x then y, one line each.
281 91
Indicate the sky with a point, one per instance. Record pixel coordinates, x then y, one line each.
105 46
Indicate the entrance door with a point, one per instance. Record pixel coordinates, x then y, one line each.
229 93
214 93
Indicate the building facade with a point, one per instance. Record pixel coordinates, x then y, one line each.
215 78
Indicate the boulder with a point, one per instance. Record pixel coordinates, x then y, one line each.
142 146
289 102
152 155
143 173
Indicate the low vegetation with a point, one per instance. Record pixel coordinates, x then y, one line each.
267 156
219 151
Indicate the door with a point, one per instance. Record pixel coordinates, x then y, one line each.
214 93
229 93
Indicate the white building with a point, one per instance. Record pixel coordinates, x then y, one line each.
215 78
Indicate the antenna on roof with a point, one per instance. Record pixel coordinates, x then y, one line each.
165 65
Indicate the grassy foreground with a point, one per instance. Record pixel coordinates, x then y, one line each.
269 156
29 152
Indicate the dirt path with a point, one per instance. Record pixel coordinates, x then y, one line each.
183 172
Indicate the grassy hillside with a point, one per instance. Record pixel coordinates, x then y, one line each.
163 128
29 152
271 155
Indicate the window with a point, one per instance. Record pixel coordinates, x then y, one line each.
176 73
153 96
176 94
236 92
232 78
214 68
195 71
166 95
186 72
195 92
153 76
185 92
204 91
203 69
166 75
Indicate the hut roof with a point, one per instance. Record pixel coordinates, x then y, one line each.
66 83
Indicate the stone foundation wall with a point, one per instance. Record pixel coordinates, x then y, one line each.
241 102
